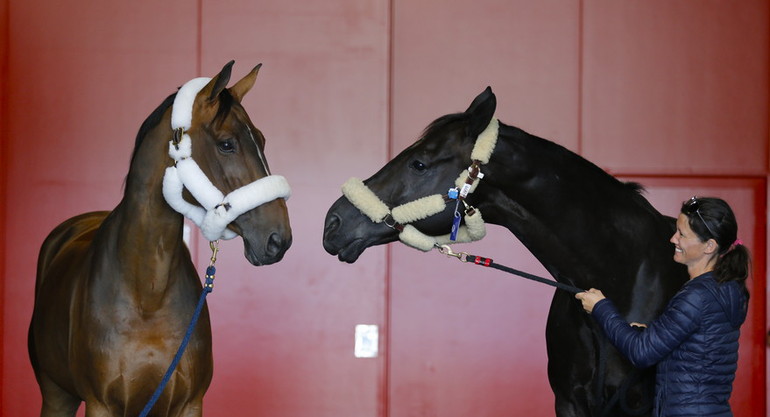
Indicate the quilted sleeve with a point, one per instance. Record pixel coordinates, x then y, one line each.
647 347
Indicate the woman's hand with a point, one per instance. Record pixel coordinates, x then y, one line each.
589 299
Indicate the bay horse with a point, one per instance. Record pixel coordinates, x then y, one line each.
585 226
116 290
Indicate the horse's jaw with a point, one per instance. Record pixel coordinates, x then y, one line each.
350 251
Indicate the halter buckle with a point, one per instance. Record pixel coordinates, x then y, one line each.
393 224
178 132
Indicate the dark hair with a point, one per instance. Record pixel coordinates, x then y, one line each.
712 218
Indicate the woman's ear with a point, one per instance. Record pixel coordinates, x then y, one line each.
711 246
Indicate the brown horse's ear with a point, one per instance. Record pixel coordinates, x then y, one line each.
218 83
481 111
244 85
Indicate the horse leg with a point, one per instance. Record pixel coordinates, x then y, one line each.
571 361
96 409
56 401
586 372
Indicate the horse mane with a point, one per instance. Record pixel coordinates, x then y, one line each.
150 122
440 123
636 189
226 101
635 186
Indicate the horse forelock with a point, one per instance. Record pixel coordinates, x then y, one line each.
226 102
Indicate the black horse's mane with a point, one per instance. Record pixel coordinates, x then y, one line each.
636 189
441 122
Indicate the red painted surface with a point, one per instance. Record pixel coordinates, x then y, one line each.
637 88
676 87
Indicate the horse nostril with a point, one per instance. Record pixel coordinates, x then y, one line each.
332 223
275 245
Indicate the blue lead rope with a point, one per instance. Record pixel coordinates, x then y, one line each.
207 288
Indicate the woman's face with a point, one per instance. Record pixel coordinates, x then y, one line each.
688 248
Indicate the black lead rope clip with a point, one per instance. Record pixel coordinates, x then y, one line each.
482 261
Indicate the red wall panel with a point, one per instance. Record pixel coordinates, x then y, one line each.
677 87
445 53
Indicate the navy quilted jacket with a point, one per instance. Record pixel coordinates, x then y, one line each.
694 344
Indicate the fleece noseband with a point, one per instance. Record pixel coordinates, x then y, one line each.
399 217
218 210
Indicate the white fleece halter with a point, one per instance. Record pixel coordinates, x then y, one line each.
218 210
369 204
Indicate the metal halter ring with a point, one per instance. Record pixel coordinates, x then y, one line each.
394 225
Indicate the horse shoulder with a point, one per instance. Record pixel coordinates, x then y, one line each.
74 232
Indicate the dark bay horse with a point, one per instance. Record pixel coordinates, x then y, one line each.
116 290
587 228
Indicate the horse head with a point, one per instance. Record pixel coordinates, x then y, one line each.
220 164
413 185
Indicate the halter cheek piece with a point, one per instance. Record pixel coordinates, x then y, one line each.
399 217
218 210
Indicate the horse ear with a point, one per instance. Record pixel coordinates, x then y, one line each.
218 83
481 111
244 85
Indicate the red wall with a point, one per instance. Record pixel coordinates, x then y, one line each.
670 94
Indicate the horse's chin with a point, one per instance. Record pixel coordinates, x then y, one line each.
260 258
349 253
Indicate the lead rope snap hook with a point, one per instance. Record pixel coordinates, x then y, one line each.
446 250
214 245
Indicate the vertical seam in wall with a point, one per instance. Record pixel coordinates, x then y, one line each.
5 26
196 244
386 380
581 16
199 41
760 239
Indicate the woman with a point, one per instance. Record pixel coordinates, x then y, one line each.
694 342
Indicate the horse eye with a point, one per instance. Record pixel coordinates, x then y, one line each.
418 166
226 146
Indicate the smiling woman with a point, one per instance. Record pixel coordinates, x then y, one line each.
694 343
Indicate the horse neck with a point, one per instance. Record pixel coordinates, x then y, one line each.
544 178
145 231
551 199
